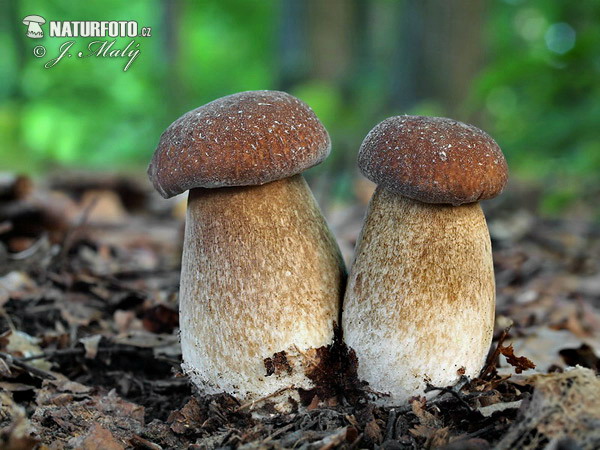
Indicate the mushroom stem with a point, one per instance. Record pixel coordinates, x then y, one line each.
419 307
261 274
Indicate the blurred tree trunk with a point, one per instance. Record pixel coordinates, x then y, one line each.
331 26
316 41
11 20
425 49
173 87
293 44
439 52
383 57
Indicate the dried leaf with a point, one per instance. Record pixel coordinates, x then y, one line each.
487 411
17 436
90 344
97 438
69 386
21 345
427 419
187 418
373 431
277 364
161 319
434 437
467 444
583 356
520 363
106 207
5 369
15 387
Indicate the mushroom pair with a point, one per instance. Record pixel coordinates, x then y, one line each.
262 276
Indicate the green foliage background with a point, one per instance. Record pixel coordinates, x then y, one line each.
537 92
543 106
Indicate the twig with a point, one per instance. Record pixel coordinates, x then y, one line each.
81 351
332 440
8 319
491 362
139 442
479 432
391 424
453 391
69 236
278 432
403 409
17 362
258 400
32 250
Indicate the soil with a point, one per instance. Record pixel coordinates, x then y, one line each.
89 352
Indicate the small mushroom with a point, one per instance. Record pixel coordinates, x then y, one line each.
262 277
34 30
419 307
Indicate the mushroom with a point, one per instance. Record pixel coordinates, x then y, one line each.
262 277
419 306
33 26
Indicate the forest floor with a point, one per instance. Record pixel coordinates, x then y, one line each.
89 352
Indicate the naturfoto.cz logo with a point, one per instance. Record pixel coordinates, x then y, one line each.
34 29
105 48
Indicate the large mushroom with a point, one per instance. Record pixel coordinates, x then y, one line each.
262 276
419 306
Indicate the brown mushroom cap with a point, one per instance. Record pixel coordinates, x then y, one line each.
250 138
433 160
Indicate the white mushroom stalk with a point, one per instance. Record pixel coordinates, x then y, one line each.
260 275
419 306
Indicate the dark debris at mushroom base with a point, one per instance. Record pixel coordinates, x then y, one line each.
89 354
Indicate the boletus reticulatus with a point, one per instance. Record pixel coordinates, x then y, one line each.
261 273
419 307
